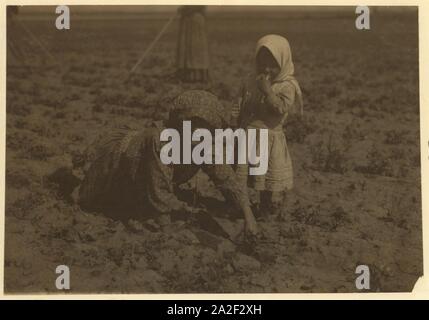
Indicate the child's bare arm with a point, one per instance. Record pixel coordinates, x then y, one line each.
226 180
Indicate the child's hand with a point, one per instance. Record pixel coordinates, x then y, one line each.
195 210
264 84
251 228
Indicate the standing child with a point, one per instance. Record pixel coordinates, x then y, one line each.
264 103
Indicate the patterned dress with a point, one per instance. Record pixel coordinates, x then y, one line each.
255 114
126 173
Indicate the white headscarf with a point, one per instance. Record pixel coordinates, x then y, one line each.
280 49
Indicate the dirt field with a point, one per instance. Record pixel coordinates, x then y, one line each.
356 160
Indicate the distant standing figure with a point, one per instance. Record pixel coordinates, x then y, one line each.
192 46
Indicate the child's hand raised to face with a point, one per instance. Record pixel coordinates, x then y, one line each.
264 84
267 64
267 68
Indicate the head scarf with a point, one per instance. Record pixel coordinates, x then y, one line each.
280 49
198 104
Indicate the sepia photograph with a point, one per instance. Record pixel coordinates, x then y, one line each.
212 149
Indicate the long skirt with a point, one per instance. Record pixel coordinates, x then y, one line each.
192 48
